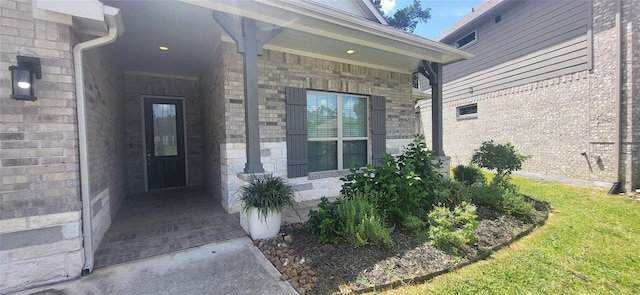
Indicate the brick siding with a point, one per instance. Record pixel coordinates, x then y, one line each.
557 120
106 136
213 116
137 85
278 70
39 179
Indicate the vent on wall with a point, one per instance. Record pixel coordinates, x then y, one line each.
468 39
469 111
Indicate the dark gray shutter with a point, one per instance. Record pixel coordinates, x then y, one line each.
297 145
378 128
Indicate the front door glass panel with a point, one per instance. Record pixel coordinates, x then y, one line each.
165 131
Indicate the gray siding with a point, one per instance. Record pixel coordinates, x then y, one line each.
534 41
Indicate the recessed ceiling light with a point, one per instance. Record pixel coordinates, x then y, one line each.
351 51
164 48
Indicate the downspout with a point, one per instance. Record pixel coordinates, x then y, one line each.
85 189
617 186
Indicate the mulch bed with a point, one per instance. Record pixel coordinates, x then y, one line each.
315 268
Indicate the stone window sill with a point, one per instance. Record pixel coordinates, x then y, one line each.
327 174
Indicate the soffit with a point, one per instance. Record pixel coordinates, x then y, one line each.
323 32
192 35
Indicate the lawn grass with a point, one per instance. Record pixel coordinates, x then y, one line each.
589 245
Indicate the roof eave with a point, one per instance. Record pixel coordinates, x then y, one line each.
447 37
282 16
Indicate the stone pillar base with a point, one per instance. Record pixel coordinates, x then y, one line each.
446 165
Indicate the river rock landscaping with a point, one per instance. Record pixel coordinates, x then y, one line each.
401 221
315 268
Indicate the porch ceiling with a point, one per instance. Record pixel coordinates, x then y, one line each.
188 29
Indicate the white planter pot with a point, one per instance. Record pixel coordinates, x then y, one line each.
263 229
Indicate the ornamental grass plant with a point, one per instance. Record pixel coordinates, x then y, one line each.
268 194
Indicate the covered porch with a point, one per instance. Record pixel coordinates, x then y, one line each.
162 222
221 121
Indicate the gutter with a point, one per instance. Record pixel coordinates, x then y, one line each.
617 186
114 23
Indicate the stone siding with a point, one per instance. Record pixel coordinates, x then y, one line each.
39 179
567 123
138 85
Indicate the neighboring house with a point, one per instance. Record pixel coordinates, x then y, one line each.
558 79
141 95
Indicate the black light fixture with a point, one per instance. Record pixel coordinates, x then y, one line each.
22 77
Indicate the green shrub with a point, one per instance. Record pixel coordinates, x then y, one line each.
451 194
451 229
488 196
504 200
516 205
413 223
404 185
325 223
502 158
361 222
469 175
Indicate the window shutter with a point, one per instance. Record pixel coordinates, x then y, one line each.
297 145
378 128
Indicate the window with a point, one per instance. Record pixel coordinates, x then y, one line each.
415 80
336 130
467 111
470 38
354 126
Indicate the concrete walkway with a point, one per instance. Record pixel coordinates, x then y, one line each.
231 267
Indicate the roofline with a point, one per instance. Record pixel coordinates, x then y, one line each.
376 13
372 29
466 24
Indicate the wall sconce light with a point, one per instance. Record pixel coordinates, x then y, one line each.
22 77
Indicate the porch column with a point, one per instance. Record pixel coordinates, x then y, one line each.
250 47
433 72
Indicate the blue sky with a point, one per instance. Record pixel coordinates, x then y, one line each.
444 13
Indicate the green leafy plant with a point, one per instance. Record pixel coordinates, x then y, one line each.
325 222
451 229
516 205
502 158
268 194
504 200
469 175
451 193
355 219
404 185
414 224
361 222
